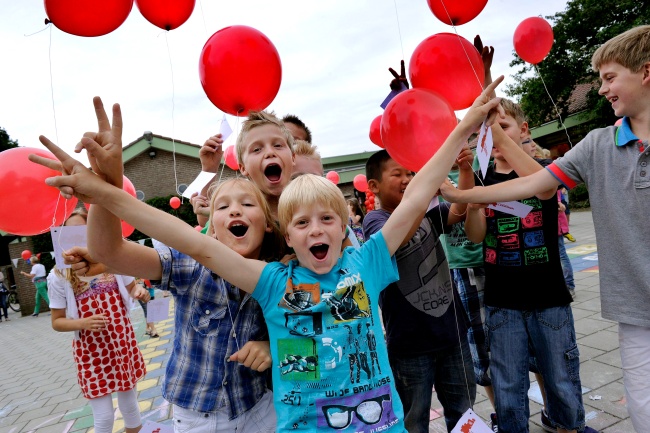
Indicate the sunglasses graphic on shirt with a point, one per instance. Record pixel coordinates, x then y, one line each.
368 411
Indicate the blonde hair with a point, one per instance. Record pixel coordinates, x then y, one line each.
513 110
273 245
306 149
630 49
68 274
308 190
260 118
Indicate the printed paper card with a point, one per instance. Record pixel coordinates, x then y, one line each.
225 128
64 238
484 147
513 208
197 184
471 423
158 309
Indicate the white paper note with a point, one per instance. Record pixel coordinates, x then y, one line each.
66 237
484 148
197 184
158 309
513 208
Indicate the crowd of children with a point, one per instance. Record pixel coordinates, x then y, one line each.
267 342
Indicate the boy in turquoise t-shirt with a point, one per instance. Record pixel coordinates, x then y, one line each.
321 309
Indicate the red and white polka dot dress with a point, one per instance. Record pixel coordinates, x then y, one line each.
109 360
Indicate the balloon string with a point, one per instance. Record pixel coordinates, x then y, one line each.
461 44
399 30
171 69
557 111
56 129
205 27
49 24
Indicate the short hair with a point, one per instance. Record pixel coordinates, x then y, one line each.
375 164
630 49
513 110
292 118
260 118
80 211
308 190
273 245
34 259
306 149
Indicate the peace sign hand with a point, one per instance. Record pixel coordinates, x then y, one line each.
399 79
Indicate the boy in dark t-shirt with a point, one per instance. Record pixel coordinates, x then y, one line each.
422 312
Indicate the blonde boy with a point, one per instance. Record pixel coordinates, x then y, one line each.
316 307
613 163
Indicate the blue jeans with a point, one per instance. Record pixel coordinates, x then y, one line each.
550 335
567 269
451 372
470 283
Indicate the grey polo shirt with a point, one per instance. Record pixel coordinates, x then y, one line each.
614 165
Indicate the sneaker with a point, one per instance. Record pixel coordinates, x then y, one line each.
570 237
546 423
589 430
35 315
493 424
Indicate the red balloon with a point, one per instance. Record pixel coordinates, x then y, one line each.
26 254
414 126
230 156
27 204
127 229
460 11
175 202
166 14
440 63
533 39
198 228
240 70
619 122
375 131
333 177
127 186
87 18
360 182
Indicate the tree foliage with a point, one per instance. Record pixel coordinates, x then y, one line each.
5 141
185 212
578 30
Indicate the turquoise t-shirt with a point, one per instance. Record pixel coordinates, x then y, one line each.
331 370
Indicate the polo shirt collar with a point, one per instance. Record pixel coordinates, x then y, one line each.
624 134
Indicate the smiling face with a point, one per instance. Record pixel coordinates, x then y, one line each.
316 233
238 218
390 188
267 159
624 89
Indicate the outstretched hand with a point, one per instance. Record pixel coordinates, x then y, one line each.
486 52
485 108
211 153
399 79
104 147
75 180
81 263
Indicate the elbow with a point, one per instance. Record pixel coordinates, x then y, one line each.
545 195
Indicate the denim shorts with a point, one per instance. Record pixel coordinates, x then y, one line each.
549 335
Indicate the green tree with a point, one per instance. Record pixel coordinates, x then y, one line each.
578 30
5 141
184 212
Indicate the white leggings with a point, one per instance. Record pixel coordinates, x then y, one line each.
634 342
103 412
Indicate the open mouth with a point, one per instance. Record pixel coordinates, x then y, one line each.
238 229
273 172
319 251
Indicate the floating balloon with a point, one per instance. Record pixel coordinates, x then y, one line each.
87 18
240 70
333 177
127 185
230 156
198 228
166 14
533 39
360 182
26 254
27 205
619 122
127 229
414 126
460 11
175 202
449 65
375 131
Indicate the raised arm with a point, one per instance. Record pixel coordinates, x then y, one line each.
426 183
210 157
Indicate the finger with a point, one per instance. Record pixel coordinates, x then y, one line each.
46 162
478 43
392 71
92 147
493 85
59 153
403 74
103 123
117 121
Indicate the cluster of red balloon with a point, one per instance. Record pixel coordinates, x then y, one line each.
27 205
127 185
361 184
98 18
447 74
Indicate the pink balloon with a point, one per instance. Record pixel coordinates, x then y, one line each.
619 122
533 39
175 202
414 126
198 228
333 177
449 65
375 131
360 183
230 156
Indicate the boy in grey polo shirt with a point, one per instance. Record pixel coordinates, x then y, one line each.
613 163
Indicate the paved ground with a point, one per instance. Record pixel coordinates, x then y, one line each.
39 391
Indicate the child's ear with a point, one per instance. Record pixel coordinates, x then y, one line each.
287 240
646 73
268 228
524 130
373 186
242 170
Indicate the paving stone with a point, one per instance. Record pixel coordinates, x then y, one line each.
604 340
44 421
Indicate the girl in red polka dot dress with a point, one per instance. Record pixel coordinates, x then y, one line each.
105 349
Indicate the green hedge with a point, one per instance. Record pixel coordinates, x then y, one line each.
579 197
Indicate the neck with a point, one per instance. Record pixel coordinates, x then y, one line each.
641 126
502 166
273 205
